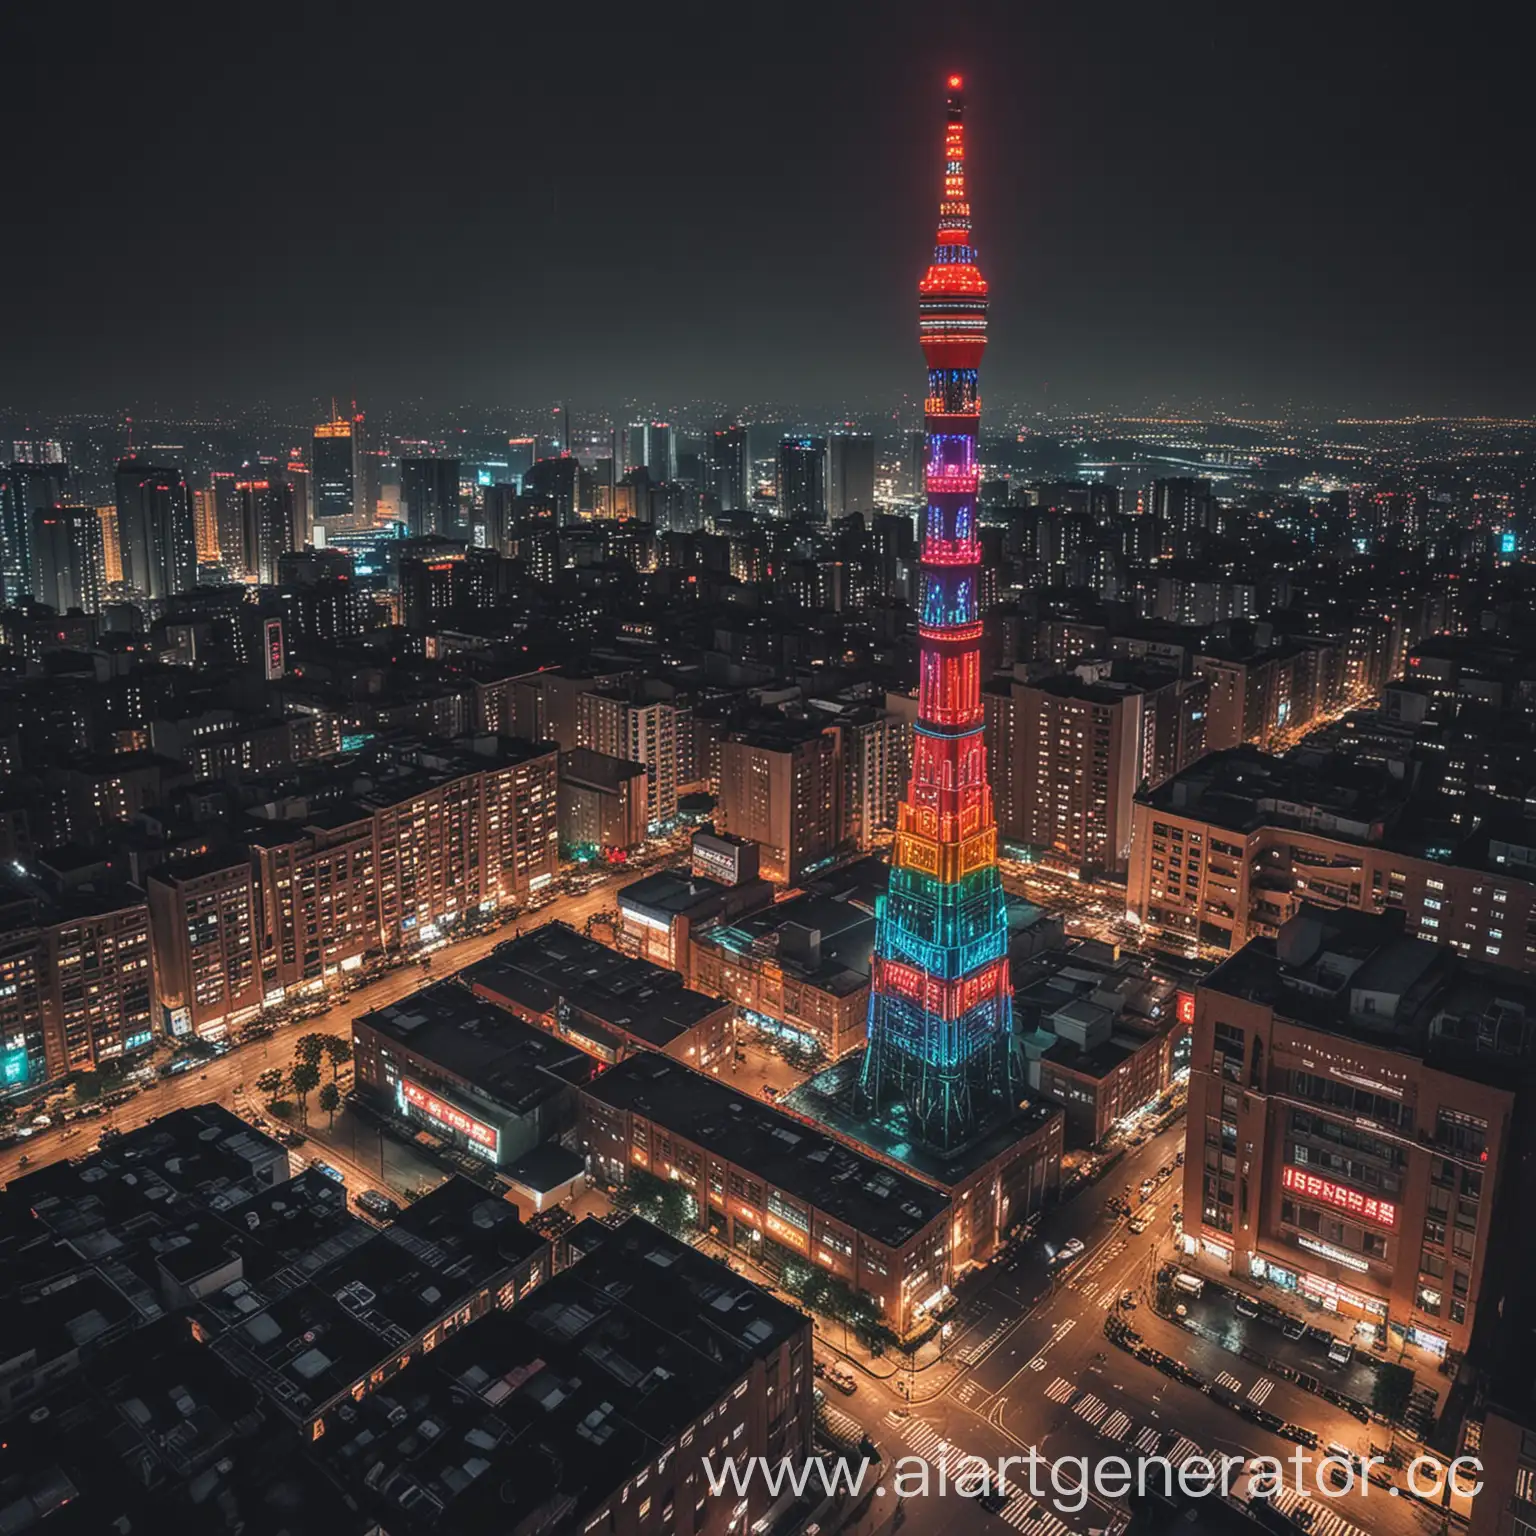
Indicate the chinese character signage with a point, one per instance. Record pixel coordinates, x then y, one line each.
1351 1201
447 1116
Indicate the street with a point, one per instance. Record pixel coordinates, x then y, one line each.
218 1079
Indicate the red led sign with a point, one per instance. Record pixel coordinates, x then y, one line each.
1300 1182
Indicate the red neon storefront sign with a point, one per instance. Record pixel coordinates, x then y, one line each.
445 1114
1300 1182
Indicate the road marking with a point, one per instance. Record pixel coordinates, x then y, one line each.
1060 1390
1148 1440
1183 1449
1260 1390
1091 1408
1115 1426
1087 1290
1229 1381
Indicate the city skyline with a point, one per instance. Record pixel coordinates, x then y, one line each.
1184 210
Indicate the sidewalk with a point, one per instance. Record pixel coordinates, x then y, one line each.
922 1378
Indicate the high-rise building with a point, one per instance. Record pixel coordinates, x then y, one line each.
730 468
803 478
154 524
552 483
851 474
266 519
111 548
67 557
340 490
781 785
229 528
28 486
651 446
641 732
429 497
941 1002
205 526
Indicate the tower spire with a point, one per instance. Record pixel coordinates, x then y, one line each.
941 1000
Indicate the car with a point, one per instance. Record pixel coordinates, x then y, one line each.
1341 1352
1245 1306
842 1378
1294 1328
328 1171
1069 1250
376 1203
1179 1160
1128 1301
1138 1225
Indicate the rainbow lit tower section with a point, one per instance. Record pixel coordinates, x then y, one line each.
941 1001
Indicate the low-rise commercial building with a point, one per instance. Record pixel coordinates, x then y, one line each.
455 1067
1105 1033
760 1176
605 1003
660 913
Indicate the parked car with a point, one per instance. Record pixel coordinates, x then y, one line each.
1069 1250
1341 1352
374 1201
842 1378
328 1171
1294 1328
1246 1306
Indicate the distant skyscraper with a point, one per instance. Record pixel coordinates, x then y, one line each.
154 529
266 515
521 454
1185 503
552 483
652 446
297 474
229 532
730 468
340 486
803 478
205 525
35 450
29 486
429 497
111 547
66 544
851 474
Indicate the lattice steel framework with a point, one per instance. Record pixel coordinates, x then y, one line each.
941 1001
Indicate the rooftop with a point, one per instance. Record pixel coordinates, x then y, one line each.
784 1150
544 1412
553 966
514 1064
1359 976
832 1098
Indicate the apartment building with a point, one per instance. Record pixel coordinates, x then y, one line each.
1348 1123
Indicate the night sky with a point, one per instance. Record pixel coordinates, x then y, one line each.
1317 204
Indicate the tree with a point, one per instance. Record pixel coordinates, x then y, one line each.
330 1100
339 1049
87 1087
309 1049
304 1078
270 1082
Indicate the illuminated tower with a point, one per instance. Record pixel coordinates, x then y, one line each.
941 1001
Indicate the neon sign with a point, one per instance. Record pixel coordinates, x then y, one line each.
1300 1182
445 1115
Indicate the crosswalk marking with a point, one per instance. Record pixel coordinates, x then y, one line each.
1092 1409
1060 1390
1183 1450
1115 1426
1260 1390
1229 1381
1087 1290
1148 1440
1325 1521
